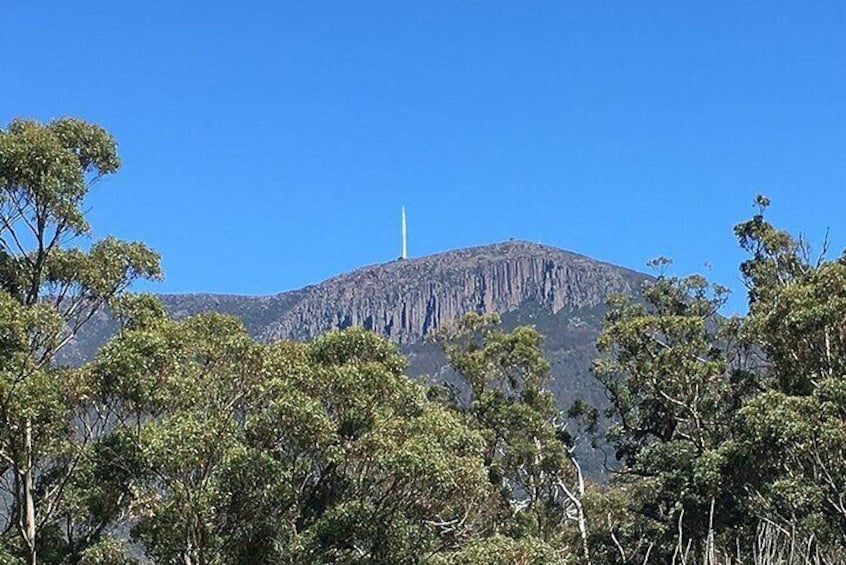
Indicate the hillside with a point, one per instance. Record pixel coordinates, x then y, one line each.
560 292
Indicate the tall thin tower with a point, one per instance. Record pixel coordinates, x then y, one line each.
404 237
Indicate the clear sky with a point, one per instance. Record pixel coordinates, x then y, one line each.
269 145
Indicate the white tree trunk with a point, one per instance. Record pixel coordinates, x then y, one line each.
29 497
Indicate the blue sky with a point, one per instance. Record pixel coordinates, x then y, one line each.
269 145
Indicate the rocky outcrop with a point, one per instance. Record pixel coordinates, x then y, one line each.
405 299
562 294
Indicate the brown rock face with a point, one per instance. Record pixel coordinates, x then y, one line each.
405 299
561 293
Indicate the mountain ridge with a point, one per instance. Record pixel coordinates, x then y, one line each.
404 299
561 293
450 252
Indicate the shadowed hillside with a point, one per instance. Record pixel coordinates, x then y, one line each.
559 292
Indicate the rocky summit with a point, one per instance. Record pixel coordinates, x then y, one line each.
561 293
407 298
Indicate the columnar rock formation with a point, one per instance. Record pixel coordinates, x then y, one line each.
406 299
559 292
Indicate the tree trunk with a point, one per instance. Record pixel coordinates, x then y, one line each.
29 498
576 501
583 532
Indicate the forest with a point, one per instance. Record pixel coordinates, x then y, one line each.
186 441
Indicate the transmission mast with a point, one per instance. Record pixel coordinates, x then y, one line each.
404 237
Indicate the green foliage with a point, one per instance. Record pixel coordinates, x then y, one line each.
528 451
52 166
8 555
106 552
502 550
795 428
673 400
48 291
287 452
725 424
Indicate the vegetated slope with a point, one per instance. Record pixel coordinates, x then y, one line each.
561 293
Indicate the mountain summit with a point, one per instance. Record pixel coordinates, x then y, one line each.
561 293
405 299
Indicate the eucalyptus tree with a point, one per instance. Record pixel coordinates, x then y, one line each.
288 452
396 479
53 279
529 450
672 372
186 386
796 428
726 424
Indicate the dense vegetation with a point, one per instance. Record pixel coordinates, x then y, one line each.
185 441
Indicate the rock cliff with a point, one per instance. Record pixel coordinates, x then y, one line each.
561 293
405 299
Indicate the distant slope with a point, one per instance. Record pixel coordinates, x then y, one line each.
405 299
560 292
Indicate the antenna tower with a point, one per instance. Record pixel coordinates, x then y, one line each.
404 237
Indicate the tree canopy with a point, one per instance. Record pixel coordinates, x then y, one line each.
51 286
186 441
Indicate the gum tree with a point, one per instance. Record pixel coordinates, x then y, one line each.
529 450
796 428
53 280
670 371
288 452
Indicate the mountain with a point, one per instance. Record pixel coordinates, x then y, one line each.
561 293
406 299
